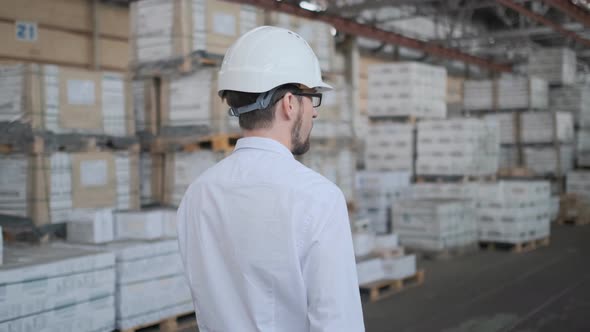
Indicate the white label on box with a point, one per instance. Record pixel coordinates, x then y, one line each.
81 92
93 173
26 31
224 24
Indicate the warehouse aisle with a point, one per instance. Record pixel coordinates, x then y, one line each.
544 290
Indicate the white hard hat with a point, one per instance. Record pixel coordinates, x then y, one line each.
267 57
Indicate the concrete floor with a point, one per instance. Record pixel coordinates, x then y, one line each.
547 289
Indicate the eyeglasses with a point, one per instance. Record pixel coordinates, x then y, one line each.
316 98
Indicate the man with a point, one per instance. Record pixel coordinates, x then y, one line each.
265 241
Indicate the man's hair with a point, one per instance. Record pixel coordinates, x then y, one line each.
261 118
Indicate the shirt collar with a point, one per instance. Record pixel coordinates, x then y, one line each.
262 143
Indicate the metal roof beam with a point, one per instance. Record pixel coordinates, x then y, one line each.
579 14
354 28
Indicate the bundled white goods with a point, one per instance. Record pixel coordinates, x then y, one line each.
399 267
182 168
434 224
407 89
507 122
375 192
578 182
574 99
508 157
150 283
336 162
334 115
150 174
513 211
555 65
582 141
370 270
144 105
442 190
457 147
127 173
363 243
505 93
163 29
66 100
56 289
89 226
545 160
389 147
145 224
46 188
547 127
317 34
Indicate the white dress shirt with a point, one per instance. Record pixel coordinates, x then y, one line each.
266 245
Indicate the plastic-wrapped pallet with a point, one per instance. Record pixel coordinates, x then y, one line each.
181 169
335 114
513 211
537 127
556 65
389 147
57 289
434 224
150 283
544 160
163 29
336 161
375 192
317 34
578 182
574 99
67 100
457 147
407 89
508 92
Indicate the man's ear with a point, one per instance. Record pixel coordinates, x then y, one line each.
289 105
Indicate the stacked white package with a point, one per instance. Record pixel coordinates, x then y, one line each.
578 182
138 90
127 169
150 282
57 289
376 192
508 92
538 127
336 163
574 99
370 270
190 99
363 243
389 147
544 160
396 268
163 29
148 224
66 91
522 92
556 65
508 157
513 211
457 147
87 226
335 114
16 177
187 168
435 190
407 89
434 224
507 124
146 169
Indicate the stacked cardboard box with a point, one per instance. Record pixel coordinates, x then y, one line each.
150 284
376 192
66 100
457 147
162 30
506 93
555 65
46 188
390 147
407 89
56 289
538 127
547 160
513 211
434 224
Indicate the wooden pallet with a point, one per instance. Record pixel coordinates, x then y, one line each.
525 246
458 179
176 65
381 289
217 142
171 324
573 210
573 221
448 253
410 119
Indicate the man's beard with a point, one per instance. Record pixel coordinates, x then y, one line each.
299 144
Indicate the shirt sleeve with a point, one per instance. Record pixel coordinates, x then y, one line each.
330 275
